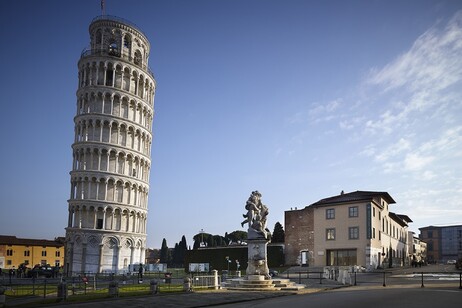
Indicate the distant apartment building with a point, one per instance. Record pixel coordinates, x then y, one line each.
443 242
354 228
15 251
417 249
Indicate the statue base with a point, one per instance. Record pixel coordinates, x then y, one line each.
257 258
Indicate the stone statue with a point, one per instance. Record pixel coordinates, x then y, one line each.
256 217
258 237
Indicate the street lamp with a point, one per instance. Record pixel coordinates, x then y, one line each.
228 261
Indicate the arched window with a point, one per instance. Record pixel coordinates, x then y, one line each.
138 60
127 41
114 50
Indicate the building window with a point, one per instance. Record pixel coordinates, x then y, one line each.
58 253
43 262
127 41
430 246
26 253
9 252
8 262
373 211
353 233
44 253
430 234
330 234
99 223
330 213
353 211
57 263
341 257
26 262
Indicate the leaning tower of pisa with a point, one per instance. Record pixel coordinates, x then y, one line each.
106 230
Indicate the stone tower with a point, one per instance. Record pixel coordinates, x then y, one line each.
108 205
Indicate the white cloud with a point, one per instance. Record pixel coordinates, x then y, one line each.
393 150
428 175
421 79
450 140
321 109
415 162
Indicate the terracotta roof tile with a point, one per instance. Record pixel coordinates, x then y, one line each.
354 196
13 240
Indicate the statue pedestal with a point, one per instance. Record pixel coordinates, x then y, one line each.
257 258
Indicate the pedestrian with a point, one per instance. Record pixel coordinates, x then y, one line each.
140 272
11 273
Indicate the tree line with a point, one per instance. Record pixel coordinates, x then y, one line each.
174 257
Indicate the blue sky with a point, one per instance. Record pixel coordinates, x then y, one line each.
297 99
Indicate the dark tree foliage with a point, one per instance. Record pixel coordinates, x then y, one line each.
219 241
176 256
278 234
237 237
202 238
179 252
164 253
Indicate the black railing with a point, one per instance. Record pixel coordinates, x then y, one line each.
117 19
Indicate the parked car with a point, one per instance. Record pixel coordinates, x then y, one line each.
451 262
41 270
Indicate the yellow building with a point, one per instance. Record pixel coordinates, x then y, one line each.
15 251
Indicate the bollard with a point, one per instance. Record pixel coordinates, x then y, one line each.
187 285
153 287
460 280
62 291
114 289
355 278
422 286
320 277
2 296
216 286
384 283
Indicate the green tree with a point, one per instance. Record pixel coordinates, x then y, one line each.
218 241
202 237
164 253
237 236
278 234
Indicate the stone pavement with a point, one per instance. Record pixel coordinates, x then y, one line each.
194 299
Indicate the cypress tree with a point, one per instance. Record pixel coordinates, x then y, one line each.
278 234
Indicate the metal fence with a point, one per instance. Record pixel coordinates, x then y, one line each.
205 281
19 291
386 278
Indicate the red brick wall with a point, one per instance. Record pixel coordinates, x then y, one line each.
299 227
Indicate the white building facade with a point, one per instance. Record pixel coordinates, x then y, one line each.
108 204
